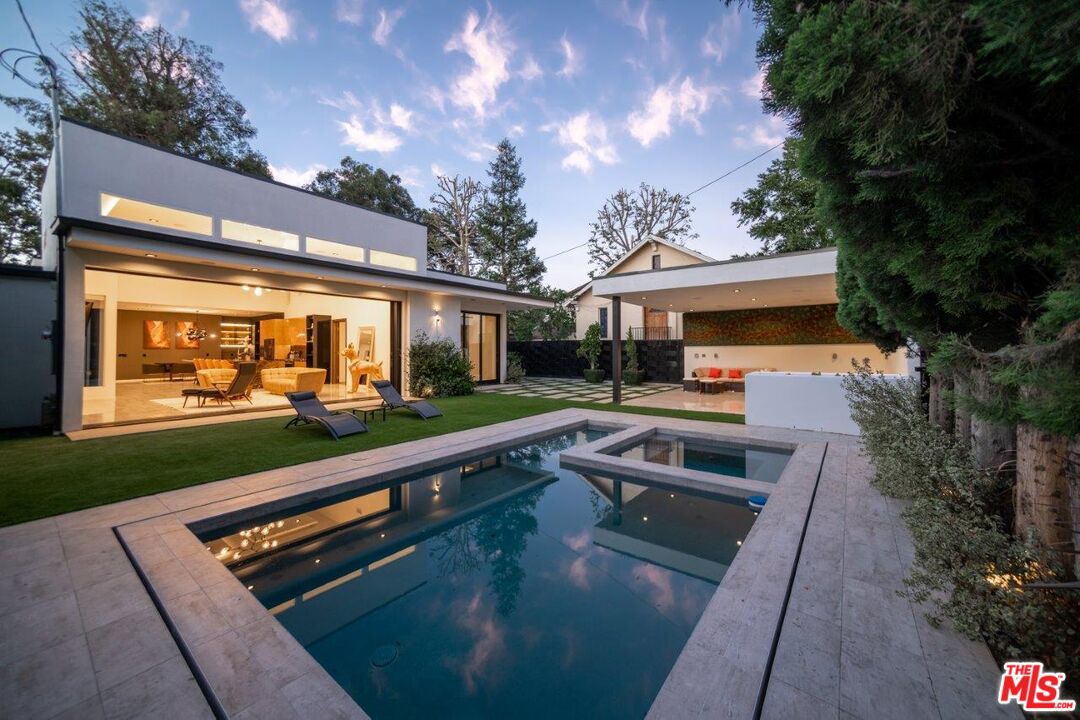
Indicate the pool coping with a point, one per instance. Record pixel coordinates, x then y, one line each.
597 457
246 662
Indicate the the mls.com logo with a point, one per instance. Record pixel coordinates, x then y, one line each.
1032 689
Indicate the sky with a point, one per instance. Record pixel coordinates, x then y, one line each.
597 95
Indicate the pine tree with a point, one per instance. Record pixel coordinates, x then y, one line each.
505 231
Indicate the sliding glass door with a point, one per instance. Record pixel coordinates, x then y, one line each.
480 343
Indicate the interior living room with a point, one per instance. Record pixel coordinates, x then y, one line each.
160 348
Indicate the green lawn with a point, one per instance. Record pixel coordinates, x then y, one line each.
44 475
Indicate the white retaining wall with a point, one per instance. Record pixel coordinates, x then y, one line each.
800 400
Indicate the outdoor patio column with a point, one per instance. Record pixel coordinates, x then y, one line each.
616 350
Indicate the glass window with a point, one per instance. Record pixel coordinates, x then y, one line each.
480 344
335 249
143 213
393 260
93 330
232 230
655 262
603 322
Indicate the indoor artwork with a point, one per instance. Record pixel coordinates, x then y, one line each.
156 335
187 335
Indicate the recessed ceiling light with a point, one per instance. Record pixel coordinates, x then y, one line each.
150 255
318 277
738 290
753 299
644 298
254 269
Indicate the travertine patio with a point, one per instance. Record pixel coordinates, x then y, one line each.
81 637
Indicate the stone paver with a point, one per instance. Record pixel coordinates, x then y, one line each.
849 639
81 638
575 389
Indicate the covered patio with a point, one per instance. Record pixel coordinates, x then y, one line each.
771 316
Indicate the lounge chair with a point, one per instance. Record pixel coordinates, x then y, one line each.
238 387
392 400
309 408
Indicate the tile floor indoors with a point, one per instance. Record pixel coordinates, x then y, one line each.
161 400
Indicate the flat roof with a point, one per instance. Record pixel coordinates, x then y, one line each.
788 279
241 173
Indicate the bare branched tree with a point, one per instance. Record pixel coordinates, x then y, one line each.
452 219
628 217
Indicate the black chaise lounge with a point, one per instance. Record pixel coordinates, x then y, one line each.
309 409
238 387
392 400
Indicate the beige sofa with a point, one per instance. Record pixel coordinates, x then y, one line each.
295 379
208 376
700 381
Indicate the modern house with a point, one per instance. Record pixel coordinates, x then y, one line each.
648 321
170 269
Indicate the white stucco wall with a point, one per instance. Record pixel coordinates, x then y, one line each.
97 162
801 401
588 312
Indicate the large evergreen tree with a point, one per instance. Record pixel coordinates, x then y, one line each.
148 84
942 140
943 137
371 187
779 210
504 229
22 173
141 82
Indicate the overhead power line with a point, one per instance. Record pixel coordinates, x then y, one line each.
736 169
711 182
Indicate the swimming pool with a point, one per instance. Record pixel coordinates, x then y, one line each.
502 586
753 462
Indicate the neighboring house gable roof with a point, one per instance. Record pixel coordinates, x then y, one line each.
651 239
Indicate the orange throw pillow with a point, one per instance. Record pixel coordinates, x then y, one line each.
734 373
714 372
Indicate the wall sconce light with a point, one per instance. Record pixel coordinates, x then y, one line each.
437 318
437 487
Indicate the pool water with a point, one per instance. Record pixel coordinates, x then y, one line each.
504 587
752 462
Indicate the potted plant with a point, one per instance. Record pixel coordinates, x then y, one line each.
632 375
590 350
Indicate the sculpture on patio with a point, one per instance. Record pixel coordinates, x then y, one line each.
357 368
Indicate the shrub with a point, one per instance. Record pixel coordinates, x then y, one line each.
515 370
630 350
967 565
590 345
437 368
